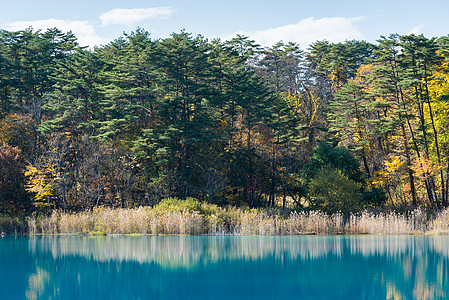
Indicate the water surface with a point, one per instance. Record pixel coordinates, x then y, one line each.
167 267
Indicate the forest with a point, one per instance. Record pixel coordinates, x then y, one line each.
336 127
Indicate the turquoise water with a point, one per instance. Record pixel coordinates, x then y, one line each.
307 267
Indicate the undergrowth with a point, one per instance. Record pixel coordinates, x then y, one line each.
191 217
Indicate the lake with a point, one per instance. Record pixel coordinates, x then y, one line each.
224 267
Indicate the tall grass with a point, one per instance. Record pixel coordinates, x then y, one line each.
190 217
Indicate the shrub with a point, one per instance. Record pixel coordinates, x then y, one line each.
174 204
331 191
339 158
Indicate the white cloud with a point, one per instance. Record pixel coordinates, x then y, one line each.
417 29
307 31
83 30
135 15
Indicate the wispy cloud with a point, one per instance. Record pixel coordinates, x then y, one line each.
307 31
83 30
417 29
134 15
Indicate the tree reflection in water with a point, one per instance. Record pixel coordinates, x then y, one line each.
223 267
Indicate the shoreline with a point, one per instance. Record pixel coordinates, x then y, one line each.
175 217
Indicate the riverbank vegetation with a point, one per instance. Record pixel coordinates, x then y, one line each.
191 217
335 129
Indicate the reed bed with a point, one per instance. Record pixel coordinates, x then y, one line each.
440 224
189 217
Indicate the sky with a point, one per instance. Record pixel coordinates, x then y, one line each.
98 22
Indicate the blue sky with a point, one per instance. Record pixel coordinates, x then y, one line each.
98 21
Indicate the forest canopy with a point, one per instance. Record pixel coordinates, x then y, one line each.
336 126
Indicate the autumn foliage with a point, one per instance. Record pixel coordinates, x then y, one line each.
13 198
336 127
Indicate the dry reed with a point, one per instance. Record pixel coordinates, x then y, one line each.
176 218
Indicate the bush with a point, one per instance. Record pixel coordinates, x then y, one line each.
331 191
374 197
340 158
189 204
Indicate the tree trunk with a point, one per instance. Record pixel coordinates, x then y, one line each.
410 172
273 183
437 148
365 163
447 183
284 198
